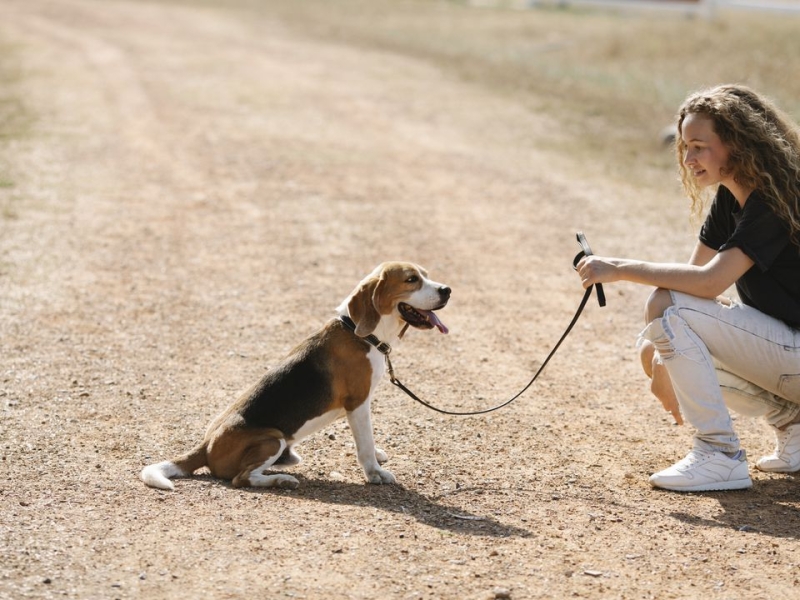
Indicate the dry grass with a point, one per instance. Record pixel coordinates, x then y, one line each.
14 121
610 81
14 118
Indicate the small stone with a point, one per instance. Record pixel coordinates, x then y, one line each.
592 573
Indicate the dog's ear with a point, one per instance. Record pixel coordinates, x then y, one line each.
362 307
382 297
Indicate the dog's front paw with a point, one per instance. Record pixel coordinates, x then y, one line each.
286 482
380 476
381 456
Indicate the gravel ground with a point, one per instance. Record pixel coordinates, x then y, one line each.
198 189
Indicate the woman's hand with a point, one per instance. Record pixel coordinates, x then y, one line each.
597 269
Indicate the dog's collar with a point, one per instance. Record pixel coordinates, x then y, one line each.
382 347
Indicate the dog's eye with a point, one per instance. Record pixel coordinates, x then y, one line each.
413 279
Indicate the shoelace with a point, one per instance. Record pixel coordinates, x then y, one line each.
697 456
694 457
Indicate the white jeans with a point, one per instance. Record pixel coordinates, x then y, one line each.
718 355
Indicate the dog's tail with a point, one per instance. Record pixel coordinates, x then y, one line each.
159 474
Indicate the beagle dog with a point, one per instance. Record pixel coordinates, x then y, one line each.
331 374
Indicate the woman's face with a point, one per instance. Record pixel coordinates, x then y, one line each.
705 156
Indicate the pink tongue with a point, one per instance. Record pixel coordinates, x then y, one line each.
435 320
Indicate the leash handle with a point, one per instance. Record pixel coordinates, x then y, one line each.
586 250
601 298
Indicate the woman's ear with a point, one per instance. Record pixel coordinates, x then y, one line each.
362 307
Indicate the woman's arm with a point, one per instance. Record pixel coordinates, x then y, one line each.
708 274
702 254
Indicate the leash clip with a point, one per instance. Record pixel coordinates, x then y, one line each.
390 369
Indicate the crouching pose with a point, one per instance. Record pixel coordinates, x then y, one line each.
704 353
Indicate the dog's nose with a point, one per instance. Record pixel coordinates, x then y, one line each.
444 291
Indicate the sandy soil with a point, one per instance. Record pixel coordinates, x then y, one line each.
198 190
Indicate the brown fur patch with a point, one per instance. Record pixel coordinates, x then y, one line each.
192 460
348 359
234 453
362 308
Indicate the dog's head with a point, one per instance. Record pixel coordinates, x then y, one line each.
397 292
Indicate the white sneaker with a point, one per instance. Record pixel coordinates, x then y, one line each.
705 471
786 458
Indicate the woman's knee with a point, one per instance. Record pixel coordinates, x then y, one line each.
647 353
657 304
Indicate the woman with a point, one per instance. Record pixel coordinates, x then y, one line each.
705 353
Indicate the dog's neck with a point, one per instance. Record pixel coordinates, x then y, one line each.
386 334
390 329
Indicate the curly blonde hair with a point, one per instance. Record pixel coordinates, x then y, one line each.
763 148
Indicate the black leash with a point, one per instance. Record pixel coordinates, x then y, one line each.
385 349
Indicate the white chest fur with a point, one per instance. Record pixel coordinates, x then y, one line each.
378 363
315 424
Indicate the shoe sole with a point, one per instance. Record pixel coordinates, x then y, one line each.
778 470
718 486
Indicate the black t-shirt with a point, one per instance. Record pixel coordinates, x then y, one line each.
772 284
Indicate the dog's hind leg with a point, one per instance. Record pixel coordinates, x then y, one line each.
258 457
289 458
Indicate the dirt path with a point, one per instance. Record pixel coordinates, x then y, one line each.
200 188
